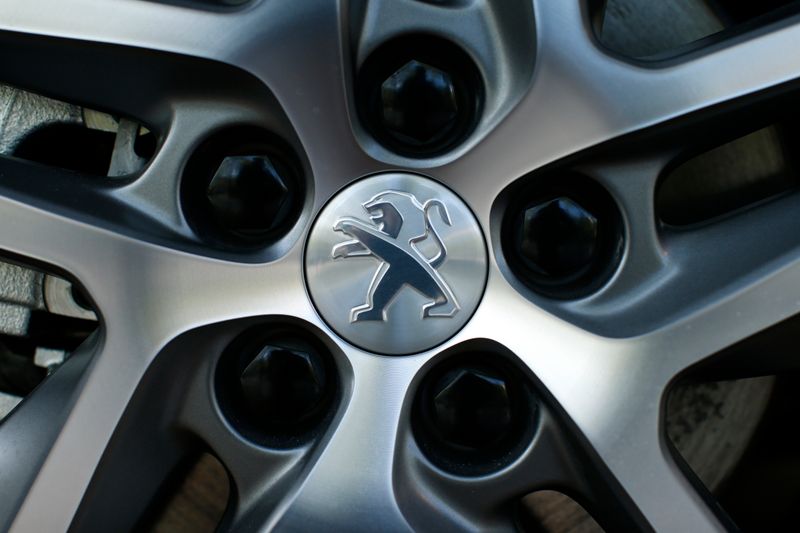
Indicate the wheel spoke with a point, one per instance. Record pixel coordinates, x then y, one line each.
358 461
714 75
633 448
378 472
617 410
582 96
89 200
314 97
33 233
134 59
118 362
380 477
26 437
138 324
622 381
708 288
431 494
125 81
758 300
177 286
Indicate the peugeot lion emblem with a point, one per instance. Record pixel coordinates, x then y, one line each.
396 263
399 222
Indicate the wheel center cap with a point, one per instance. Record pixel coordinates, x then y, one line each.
396 263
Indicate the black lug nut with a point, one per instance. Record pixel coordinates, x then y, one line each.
250 195
419 104
474 412
419 95
242 188
472 408
563 234
557 238
284 386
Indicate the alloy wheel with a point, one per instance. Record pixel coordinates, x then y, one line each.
573 366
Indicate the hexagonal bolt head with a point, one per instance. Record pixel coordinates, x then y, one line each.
419 104
284 386
249 195
472 408
558 237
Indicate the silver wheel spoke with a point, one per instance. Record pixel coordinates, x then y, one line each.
77 247
26 437
622 381
314 97
98 258
763 298
147 295
669 273
714 75
183 294
380 476
116 367
632 445
617 409
176 286
433 496
357 463
582 96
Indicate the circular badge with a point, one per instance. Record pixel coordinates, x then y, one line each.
396 263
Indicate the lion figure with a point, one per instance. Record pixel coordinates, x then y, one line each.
398 224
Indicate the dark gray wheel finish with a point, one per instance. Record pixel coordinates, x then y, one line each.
169 303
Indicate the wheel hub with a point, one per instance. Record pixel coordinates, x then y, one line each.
396 263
